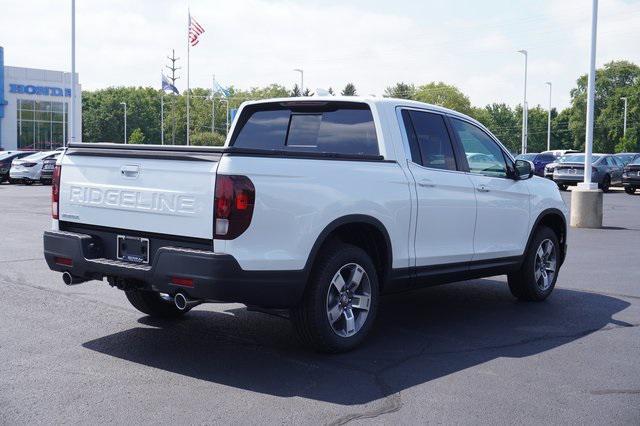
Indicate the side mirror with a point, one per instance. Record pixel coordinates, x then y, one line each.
524 169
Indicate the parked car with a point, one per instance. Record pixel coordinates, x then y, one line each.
631 176
314 205
539 161
559 154
6 157
28 169
627 157
48 165
606 170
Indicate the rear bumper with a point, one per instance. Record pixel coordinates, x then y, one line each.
24 174
215 276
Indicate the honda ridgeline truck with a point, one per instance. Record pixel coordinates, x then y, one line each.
316 206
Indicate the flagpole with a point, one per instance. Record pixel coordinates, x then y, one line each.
162 116
188 46
213 104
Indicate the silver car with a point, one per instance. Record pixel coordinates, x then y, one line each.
28 170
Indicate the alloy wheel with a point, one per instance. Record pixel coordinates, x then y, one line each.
348 300
545 264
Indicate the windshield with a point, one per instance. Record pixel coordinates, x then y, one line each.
529 157
578 158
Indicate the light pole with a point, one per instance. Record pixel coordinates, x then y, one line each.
624 128
549 119
587 199
524 104
227 102
72 115
125 120
301 71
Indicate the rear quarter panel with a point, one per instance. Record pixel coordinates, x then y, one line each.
297 198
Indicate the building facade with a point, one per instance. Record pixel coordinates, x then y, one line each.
34 108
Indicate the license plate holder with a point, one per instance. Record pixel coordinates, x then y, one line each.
132 249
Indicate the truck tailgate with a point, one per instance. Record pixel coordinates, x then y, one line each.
138 190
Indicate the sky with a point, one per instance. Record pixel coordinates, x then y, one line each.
372 43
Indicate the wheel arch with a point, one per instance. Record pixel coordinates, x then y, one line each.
554 219
363 231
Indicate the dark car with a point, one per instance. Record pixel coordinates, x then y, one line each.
627 157
631 176
606 170
46 175
539 161
6 157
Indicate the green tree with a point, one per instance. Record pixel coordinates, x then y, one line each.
401 91
613 81
349 90
331 91
207 139
137 136
296 91
444 95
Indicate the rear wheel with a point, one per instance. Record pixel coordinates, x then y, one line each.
539 271
340 302
630 190
153 304
606 183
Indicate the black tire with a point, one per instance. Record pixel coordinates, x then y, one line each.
311 318
28 182
523 283
606 183
562 187
152 304
630 190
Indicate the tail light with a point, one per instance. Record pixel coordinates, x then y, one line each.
28 164
233 206
55 191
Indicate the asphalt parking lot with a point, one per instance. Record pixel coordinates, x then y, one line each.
462 353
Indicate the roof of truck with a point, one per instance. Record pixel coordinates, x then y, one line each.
378 100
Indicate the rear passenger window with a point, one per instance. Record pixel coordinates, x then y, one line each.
326 127
429 140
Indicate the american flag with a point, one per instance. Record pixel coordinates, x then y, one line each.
195 30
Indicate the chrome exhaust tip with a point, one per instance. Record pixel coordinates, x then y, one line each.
183 303
69 279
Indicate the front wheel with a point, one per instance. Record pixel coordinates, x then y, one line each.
153 304
340 302
539 271
630 190
562 187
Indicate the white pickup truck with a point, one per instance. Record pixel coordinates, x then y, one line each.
316 206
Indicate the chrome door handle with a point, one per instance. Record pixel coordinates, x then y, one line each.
426 183
482 188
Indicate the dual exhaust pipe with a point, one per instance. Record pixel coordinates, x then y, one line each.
180 300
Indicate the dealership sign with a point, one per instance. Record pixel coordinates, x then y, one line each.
39 90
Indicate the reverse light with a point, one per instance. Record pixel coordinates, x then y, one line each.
233 206
55 192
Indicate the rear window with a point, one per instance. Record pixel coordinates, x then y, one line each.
324 127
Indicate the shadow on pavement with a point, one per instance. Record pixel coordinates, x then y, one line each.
418 337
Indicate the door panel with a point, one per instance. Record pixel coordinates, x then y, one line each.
502 221
446 216
446 201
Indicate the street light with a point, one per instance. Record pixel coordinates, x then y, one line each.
524 104
125 120
549 119
301 71
624 129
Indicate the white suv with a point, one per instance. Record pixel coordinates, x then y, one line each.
316 205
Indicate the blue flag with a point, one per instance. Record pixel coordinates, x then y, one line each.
219 89
166 86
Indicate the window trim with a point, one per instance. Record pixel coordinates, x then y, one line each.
458 156
508 158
